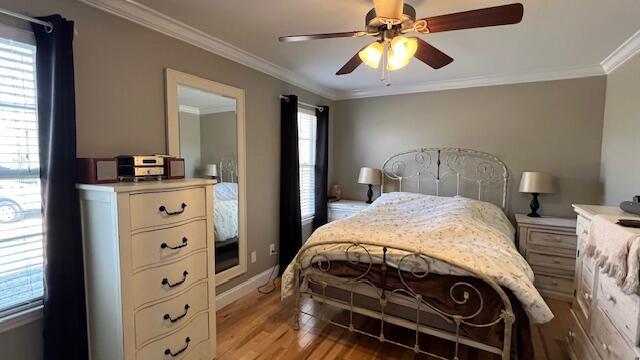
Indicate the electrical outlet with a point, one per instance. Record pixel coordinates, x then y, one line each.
272 249
253 257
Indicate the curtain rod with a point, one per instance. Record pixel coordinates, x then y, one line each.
319 108
46 24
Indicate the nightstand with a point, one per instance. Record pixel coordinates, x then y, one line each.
344 208
549 246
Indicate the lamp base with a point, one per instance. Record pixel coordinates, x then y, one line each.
535 205
369 194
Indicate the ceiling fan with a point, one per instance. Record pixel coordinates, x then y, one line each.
391 20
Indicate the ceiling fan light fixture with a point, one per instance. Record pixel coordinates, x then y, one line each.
372 54
401 50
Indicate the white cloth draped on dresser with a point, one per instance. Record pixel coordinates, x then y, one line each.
616 250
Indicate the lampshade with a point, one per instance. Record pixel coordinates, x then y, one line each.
372 54
211 170
536 182
369 176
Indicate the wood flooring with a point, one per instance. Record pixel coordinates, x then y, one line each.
257 327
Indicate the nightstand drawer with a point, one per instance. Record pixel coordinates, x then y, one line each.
565 264
552 283
334 215
551 239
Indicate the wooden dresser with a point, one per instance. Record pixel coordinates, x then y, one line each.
149 270
604 322
343 208
549 246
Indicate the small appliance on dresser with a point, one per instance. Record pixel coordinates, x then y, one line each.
604 322
149 269
549 246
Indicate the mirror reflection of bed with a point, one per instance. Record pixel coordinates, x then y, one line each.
208 143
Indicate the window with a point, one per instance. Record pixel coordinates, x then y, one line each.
307 159
21 274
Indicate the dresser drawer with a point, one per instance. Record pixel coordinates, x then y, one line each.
623 310
158 246
552 240
555 284
582 226
160 282
184 341
607 340
161 208
167 316
567 265
580 347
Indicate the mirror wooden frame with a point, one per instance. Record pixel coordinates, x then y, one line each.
173 79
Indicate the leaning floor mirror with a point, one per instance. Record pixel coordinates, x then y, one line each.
205 126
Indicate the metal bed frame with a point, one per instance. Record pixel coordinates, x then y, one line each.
437 171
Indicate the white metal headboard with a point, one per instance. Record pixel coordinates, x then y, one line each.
448 172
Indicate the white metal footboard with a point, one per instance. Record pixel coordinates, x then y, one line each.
317 271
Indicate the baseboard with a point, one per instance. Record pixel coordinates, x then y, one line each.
245 288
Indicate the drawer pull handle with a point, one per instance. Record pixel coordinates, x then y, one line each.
572 335
587 296
174 354
184 243
606 347
168 317
163 208
165 281
585 232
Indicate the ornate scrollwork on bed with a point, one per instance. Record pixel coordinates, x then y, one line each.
448 172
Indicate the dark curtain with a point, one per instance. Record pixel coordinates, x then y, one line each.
290 218
65 329
322 167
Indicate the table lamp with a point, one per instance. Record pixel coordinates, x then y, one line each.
369 176
536 183
211 170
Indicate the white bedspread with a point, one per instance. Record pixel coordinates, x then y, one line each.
465 232
225 211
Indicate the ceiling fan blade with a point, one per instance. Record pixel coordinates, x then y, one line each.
431 55
493 16
346 34
352 64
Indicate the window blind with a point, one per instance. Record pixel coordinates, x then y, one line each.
307 159
21 272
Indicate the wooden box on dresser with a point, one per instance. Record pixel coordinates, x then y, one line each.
149 271
549 246
604 322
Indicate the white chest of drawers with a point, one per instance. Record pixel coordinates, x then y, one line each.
149 270
604 322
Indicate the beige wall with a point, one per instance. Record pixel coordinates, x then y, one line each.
621 134
548 126
218 136
190 148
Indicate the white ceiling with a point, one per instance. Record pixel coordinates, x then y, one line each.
203 102
555 37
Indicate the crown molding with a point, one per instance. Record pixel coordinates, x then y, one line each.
624 52
189 109
218 109
478 81
152 19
